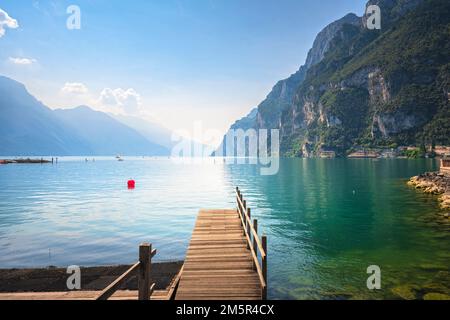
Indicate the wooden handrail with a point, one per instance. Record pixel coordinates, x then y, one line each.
255 257
113 287
174 286
251 233
143 267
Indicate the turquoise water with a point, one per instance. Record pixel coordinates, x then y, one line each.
326 220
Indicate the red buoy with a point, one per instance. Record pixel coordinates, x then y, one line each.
131 184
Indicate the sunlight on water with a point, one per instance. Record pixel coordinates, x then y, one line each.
326 220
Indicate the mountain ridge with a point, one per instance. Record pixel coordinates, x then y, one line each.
348 87
375 89
29 128
281 96
98 129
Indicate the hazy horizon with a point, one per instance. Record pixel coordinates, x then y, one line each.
176 62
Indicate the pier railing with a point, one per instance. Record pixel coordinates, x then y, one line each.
143 266
254 243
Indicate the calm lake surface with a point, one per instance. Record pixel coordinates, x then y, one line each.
326 220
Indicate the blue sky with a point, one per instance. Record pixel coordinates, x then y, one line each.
174 60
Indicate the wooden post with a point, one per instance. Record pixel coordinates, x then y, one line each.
248 227
144 271
255 226
264 266
244 215
238 197
238 205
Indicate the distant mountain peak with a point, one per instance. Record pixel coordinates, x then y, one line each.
8 85
29 128
84 107
323 40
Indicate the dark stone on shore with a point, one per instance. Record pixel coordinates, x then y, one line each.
54 279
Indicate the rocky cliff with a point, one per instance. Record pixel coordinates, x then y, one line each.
376 88
268 113
368 88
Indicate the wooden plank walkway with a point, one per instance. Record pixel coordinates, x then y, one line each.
81 295
218 265
226 260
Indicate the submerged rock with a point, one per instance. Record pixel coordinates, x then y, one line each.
432 267
405 292
445 202
443 277
436 296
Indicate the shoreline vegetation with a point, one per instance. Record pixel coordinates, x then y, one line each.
392 152
53 279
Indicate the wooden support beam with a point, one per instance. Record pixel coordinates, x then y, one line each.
145 250
113 287
255 244
264 267
248 225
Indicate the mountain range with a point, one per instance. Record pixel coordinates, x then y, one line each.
362 88
29 128
358 88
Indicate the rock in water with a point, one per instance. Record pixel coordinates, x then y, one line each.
406 292
436 296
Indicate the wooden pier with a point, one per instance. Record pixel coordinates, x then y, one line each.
226 260
222 260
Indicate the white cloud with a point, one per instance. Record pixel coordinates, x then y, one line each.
74 88
118 101
22 61
6 22
128 101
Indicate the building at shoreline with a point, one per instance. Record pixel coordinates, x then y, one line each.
327 154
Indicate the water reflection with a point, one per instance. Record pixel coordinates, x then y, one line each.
326 220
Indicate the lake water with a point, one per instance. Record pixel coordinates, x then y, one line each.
326 220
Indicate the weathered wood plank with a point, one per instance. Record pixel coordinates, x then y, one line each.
218 264
80 295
